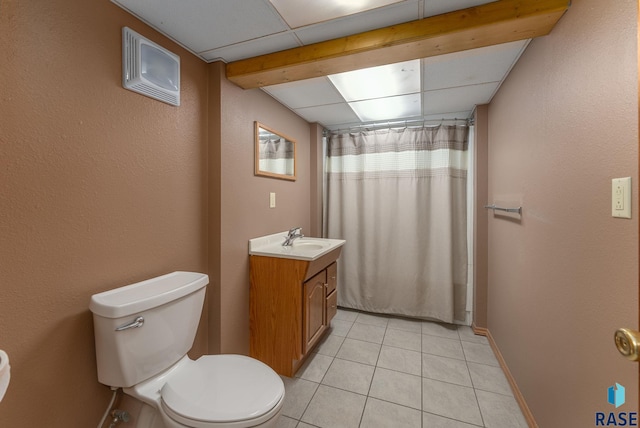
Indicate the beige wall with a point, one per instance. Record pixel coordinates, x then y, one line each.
101 187
563 279
480 217
316 167
244 200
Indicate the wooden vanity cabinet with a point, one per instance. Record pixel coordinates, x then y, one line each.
291 305
320 305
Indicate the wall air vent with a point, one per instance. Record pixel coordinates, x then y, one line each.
150 69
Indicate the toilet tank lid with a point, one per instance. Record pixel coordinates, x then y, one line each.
144 295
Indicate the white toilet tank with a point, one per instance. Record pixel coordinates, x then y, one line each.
170 308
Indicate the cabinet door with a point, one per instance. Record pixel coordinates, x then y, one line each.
314 310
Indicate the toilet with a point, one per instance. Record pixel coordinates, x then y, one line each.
143 332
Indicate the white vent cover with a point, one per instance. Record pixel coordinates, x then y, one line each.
150 69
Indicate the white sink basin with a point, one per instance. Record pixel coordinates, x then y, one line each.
309 244
302 248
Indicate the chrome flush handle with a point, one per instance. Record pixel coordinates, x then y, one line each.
136 323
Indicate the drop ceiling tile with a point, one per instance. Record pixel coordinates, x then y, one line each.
437 7
252 48
315 11
371 20
457 99
489 64
328 114
462 115
233 30
390 108
208 24
305 93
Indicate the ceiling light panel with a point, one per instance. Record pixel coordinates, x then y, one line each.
376 82
389 108
315 11
366 21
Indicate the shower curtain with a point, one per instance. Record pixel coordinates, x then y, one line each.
276 155
398 197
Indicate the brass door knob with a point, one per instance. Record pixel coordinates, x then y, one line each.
628 343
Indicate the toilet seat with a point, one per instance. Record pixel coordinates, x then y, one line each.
233 390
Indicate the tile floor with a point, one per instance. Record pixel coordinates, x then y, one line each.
375 371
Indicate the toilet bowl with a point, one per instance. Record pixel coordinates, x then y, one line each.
143 332
214 391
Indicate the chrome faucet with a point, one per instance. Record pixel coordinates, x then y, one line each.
294 233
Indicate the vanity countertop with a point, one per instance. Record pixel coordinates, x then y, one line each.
306 248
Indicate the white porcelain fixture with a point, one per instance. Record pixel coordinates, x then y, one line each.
5 373
301 249
143 332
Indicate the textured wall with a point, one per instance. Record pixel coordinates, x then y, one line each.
99 187
102 187
563 279
480 216
244 211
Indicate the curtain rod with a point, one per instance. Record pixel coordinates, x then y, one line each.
373 126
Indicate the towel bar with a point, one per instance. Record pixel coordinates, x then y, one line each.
509 210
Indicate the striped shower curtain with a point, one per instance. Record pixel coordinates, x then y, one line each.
276 155
398 197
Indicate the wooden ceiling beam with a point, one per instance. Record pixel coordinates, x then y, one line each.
489 24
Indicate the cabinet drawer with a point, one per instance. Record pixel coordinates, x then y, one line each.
332 306
332 277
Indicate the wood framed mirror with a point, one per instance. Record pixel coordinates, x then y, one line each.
275 154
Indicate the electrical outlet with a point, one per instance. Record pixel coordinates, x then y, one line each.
621 197
272 200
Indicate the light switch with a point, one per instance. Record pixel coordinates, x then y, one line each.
272 200
621 197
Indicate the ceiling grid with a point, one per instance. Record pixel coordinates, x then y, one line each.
449 86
